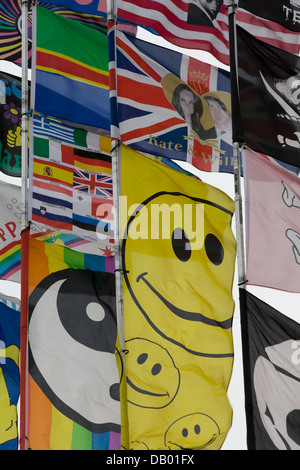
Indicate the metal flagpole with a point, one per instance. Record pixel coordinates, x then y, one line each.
24 237
238 141
238 200
116 154
24 159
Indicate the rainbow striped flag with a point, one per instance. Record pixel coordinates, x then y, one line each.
70 83
10 262
74 361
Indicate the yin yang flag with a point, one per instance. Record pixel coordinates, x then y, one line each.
73 357
271 350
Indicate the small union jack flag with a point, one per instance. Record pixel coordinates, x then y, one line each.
98 184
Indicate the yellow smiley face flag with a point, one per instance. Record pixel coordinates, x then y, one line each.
178 254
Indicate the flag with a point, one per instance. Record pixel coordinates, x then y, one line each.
151 81
11 302
74 136
11 31
272 204
178 333
92 13
69 83
11 26
183 23
94 21
9 376
10 232
73 369
269 98
71 190
10 129
276 23
271 371
92 7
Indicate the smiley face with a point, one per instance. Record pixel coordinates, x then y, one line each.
194 431
152 377
180 284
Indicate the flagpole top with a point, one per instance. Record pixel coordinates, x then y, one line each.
231 6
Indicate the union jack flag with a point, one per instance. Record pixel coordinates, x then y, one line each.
93 183
147 77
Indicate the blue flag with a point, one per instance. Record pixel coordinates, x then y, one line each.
9 376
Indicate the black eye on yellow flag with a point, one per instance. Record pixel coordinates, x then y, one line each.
178 254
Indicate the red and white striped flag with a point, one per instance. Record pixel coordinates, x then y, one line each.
185 23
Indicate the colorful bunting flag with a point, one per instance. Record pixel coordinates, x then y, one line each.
269 98
74 136
273 224
173 105
271 371
10 232
178 334
190 24
71 190
9 376
70 83
73 369
276 23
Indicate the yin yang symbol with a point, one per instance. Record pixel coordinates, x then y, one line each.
72 343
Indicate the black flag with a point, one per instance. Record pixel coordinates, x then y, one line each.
284 12
271 351
269 86
10 124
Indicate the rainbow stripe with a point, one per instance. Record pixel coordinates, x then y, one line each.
10 262
57 432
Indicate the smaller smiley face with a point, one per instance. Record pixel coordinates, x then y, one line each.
152 377
194 431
